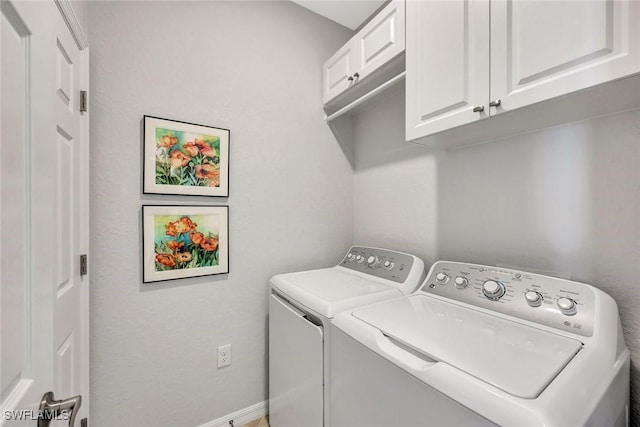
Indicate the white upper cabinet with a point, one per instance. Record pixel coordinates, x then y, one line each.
447 56
494 56
381 40
377 43
338 72
544 49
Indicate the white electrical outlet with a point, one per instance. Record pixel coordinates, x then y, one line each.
224 355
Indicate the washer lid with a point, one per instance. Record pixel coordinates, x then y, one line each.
329 291
515 358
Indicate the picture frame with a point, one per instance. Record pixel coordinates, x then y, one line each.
185 158
184 241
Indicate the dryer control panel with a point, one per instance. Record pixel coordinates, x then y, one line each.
551 301
383 263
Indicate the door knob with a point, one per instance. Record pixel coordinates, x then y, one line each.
495 103
51 409
357 76
350 78
478 109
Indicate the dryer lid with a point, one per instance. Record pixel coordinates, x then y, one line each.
329 291
515 358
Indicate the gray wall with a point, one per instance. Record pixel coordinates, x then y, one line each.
564 200
80 9
254 68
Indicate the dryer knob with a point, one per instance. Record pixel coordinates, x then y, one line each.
461 282
372 261
359 258
567 306
493 289
442 278
533 298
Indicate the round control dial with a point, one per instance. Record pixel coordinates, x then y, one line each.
351 257
359 259
442 278
388 265
567 306
373 260
533 298
461 282
493 289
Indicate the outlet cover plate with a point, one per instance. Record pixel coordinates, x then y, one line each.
224 355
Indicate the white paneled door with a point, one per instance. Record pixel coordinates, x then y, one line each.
43 212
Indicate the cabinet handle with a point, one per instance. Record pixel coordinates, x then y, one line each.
356 75
350 78
495 103
478 109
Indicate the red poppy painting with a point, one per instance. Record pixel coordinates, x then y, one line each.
184 241
185 158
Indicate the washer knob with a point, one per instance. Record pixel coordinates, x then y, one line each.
493 289
372 260
388 265
359 259
461 282
351 257
567 306
442 278
534 299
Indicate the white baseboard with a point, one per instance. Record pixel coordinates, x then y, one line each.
240 417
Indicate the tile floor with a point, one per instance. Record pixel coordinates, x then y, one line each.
260 422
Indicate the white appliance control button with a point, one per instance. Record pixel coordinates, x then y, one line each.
372 261
493 289
534 299
359 259
388 265
461 282
351 257
567 306
442 278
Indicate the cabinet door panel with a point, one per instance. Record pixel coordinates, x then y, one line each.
544 49
447 64
382 39
336 72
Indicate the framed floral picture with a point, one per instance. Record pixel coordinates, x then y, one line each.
185 158
184 241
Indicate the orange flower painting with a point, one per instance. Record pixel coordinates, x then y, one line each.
185 158
184 241
187 241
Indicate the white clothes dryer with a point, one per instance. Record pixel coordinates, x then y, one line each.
301 306
482 346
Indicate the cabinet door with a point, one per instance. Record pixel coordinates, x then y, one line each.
544 49
337 70
447 64
381 40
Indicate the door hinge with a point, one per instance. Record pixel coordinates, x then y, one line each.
83 101
83 264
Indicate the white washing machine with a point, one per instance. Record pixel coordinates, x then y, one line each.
482 346
301 306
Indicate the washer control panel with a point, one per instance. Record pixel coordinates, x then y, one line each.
554 302
381 263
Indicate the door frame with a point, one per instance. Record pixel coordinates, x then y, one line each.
79 36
